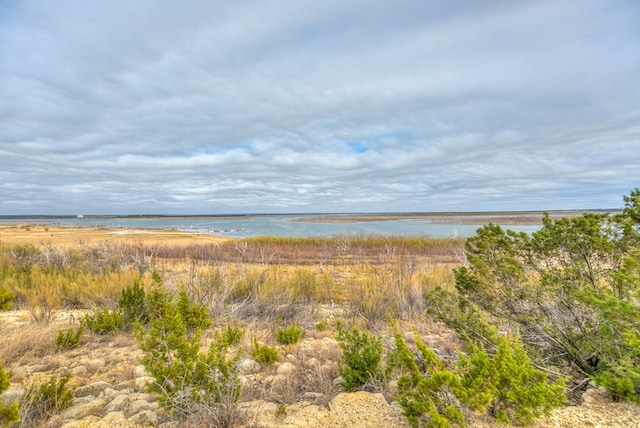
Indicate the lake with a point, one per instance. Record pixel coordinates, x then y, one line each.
307 225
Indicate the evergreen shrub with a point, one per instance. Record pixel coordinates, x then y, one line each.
361 364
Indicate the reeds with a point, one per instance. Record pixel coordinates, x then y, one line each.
373 276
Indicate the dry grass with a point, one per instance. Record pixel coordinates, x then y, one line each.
60 236
256 283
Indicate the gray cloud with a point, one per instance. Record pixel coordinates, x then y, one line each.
274 106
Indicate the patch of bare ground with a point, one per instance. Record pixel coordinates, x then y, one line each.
300 390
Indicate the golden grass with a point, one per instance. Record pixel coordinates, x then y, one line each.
258 283
60 236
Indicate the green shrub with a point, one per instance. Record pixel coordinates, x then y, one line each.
70 338
321 326
581 276
188 382
434 393
523 393
6 299
133 304
105 321
42 401
425 386
263 354
230 335
289 335
361 364
9 414
194 317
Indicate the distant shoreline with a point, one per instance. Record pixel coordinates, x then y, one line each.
318 217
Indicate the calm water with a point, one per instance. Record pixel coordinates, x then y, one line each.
280 225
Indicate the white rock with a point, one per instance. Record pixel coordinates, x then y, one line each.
79 371
140 406
145 418
141 382
119 404
140 371
81 408
249 366
92 389
11 395
278 381
285 368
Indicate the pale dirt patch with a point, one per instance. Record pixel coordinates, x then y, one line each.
61 236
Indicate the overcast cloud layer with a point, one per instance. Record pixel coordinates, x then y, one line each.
169 107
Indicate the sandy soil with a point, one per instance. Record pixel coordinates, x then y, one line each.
60 236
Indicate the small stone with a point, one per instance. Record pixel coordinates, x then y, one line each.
83 407
312 395
285 368
279 381
338 381
141 382
94 389
114 419
249 366
119 404
140 406
11 395
140 371
96 364
79 371
36 368
145 418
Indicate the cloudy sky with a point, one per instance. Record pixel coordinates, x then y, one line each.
206 106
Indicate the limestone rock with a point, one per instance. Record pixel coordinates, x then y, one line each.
285 368
94 389
145 418
11 395
140 371
83 407
249 366
141 382
139 406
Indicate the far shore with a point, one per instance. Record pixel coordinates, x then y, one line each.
511 218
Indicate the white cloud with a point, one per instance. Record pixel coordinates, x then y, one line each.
274 106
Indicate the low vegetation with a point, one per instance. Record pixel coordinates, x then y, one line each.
532 320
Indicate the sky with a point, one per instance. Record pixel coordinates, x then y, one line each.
299 106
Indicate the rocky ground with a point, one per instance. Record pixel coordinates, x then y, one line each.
109 387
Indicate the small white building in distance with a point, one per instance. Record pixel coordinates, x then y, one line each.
80 216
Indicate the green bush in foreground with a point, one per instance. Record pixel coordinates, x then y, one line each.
361 364
9 414
433 393
189 383
570 288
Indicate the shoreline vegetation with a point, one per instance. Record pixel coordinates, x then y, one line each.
271 329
